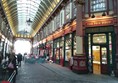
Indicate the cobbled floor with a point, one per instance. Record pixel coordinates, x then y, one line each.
53 73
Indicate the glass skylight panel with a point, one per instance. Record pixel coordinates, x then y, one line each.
27 9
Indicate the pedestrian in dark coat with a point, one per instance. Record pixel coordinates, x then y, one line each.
19 58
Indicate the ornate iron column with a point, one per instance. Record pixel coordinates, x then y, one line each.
79 60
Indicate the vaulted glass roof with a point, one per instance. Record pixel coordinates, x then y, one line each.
27 9
19 12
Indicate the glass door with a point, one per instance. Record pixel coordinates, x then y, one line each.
96 59
100 59
104 60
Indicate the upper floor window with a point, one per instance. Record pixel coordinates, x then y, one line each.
98 5
61 17
67 12
50 28
38 37
43 35
52 25
74 9
41 32
58 20
44 32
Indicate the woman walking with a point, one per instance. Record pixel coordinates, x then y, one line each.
12 65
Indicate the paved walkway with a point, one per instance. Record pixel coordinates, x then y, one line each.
53 73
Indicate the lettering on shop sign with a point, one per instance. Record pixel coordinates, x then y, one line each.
99 22
82 64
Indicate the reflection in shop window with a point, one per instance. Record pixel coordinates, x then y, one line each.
98 5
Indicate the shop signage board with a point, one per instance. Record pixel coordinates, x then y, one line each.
100 22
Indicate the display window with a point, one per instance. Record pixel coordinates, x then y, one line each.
57 54
68 47
74 48
100 56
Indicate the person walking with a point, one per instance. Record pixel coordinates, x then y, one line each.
12 66
19 58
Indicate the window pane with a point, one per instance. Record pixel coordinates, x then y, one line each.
98 5
99 38
74 10
67 12
58 21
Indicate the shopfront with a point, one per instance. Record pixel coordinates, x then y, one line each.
49 50
100 49
58 51
68 48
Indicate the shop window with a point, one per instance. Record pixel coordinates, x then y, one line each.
74 52
67 11
89 43
68 49
61 43
57 44
110 48
99 38
98 5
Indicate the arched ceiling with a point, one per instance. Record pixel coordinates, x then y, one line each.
18 12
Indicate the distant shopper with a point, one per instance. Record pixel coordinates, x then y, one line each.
19 58
71 62
24 57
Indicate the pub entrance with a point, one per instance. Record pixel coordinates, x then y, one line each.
100 51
